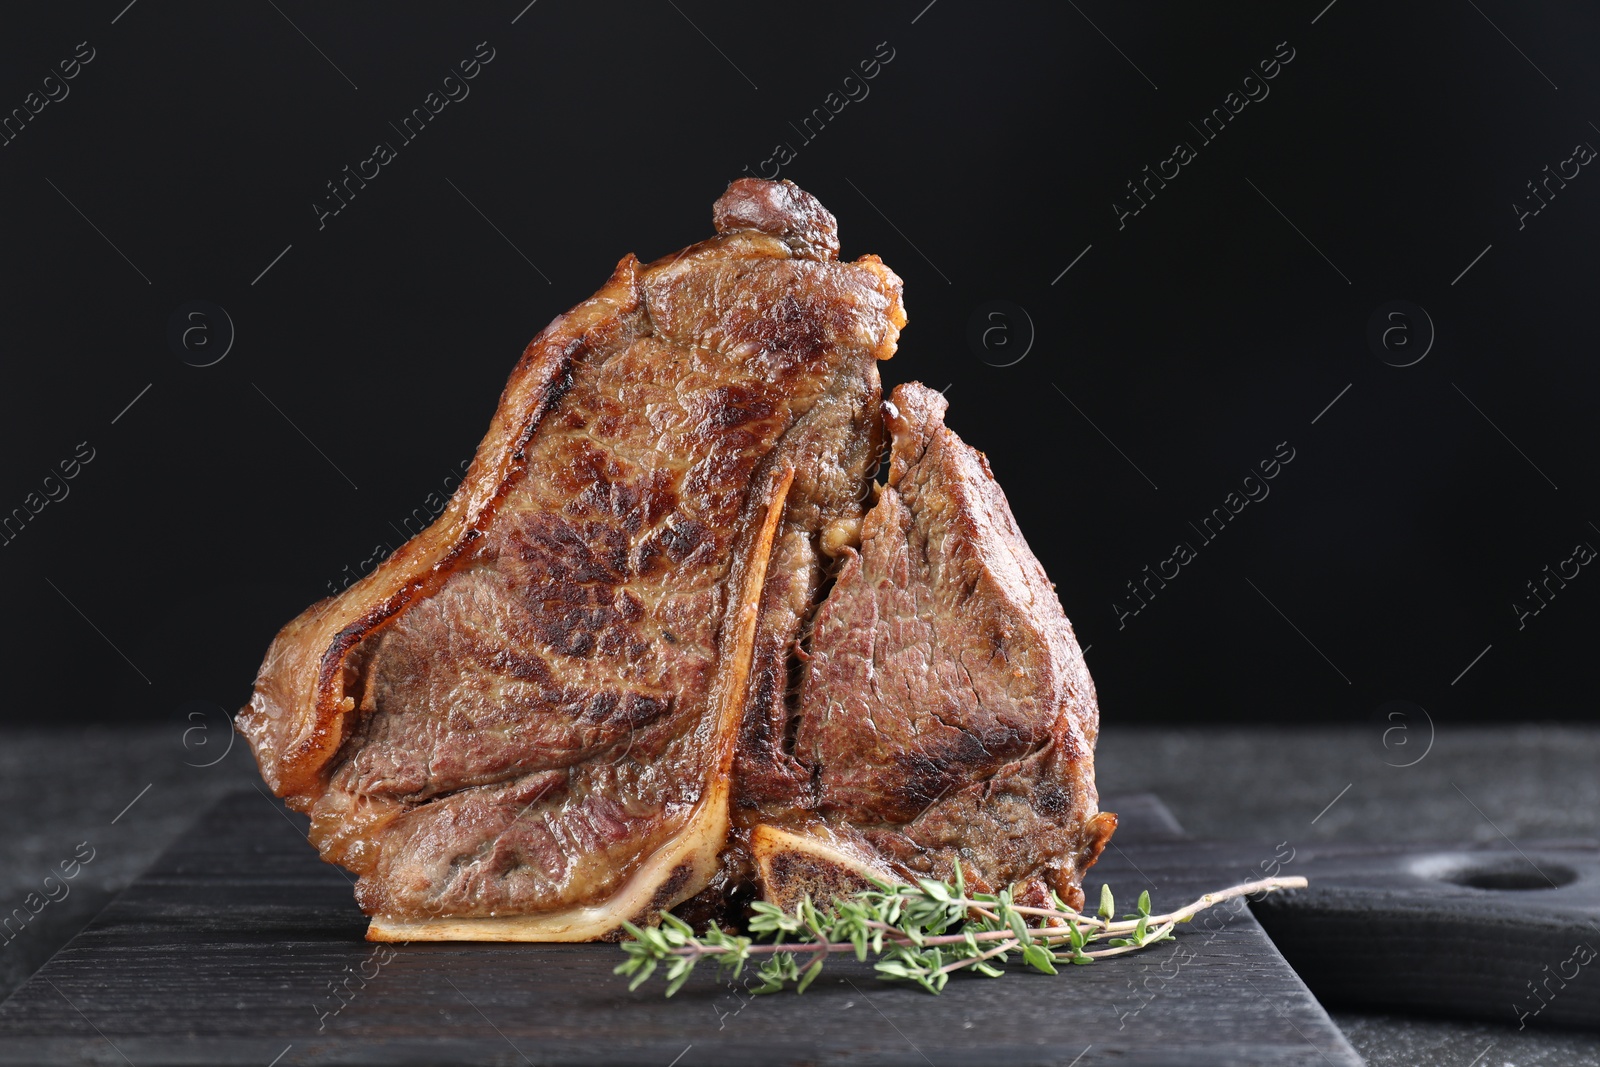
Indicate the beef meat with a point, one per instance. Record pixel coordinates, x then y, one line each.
946 709
635 664
522 724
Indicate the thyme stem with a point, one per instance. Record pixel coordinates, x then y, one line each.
909 929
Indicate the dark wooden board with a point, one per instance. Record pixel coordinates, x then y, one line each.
1495 931
227 949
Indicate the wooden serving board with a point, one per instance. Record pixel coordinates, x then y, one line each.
230 949
1500 932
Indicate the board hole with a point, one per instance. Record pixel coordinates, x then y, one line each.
1509 874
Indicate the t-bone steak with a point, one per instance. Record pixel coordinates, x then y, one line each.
670 646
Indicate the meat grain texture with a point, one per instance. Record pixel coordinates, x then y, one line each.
671 646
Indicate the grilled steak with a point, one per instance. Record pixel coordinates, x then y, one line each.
582 695
946 709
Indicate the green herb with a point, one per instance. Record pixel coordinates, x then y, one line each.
919 933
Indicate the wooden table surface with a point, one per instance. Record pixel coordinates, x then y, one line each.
239 946
130 791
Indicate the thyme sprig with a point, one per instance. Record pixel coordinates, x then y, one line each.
920 933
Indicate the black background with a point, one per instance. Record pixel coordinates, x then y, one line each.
1211 327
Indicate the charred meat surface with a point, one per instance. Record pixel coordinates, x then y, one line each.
946 706
584 694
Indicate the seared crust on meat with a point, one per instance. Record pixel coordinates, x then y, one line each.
946 706
523 707
668 646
